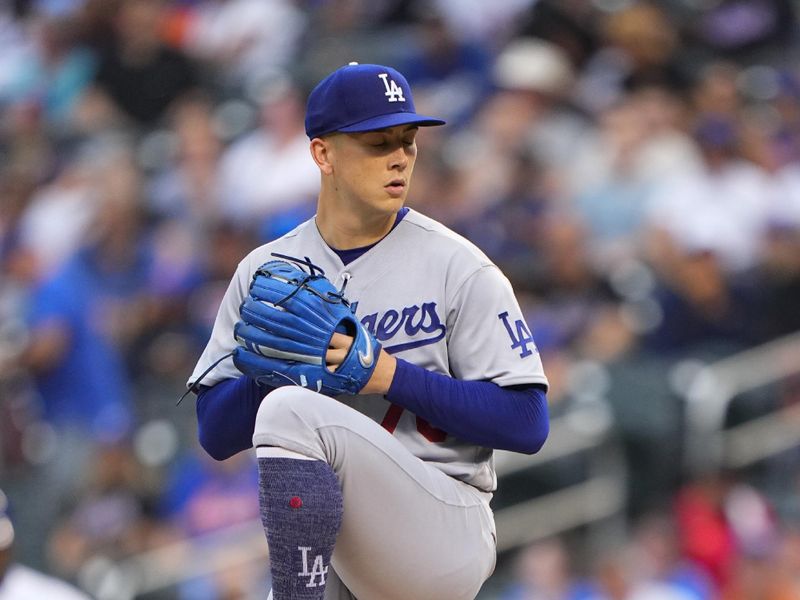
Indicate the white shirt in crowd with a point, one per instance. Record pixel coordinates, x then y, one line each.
23 583
260 178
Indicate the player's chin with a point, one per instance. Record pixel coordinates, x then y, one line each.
392 203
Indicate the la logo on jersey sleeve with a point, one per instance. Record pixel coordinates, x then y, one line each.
520 335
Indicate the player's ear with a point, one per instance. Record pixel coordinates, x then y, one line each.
321 152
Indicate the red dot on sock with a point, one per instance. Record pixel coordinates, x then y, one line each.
295 502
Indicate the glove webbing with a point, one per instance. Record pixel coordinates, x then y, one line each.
315 273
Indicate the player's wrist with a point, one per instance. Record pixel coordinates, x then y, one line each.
382 376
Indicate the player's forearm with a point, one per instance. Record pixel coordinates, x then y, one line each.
226 416
479 412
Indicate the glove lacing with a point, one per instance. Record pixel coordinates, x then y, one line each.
315 273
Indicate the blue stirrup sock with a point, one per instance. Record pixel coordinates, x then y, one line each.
301 510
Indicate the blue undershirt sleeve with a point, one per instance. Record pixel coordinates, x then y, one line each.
226 416
479 412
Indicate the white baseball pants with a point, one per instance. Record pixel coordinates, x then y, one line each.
409 532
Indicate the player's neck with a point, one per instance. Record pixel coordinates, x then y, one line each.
344 230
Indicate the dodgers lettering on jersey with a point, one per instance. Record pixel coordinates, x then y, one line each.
410 320
430 297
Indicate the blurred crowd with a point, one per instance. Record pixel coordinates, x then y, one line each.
633 167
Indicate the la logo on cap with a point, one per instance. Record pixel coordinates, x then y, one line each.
393 91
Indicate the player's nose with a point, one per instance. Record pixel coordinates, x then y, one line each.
398 159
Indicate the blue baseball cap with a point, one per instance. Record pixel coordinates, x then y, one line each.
362 98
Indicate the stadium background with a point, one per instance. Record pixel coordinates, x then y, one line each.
634 167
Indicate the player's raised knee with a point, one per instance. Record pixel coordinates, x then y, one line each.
290 417
291 409
278 402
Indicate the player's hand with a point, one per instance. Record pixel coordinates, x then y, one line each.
289 333
382 375
337 350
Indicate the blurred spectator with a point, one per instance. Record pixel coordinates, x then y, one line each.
777 280
786 129
734 27
723 207
188 280
479 161
244 40
186 188
138 76
228 244
111 515
572 25
574 302
16 45
440 189
56 219
18 582
17 275
657 554
617 579
450 76
753 520
788 557
760 578
56 71
641 149
539 79
542 572
476 20
519 119
17 186
648 41
512 229
776 284
202 496
716 92
78 341
705 535
183 200
768 572
640 50
698 306
269 173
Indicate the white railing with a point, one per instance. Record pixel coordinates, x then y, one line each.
170 565
709 444
593 501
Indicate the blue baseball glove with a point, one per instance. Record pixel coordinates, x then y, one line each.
287 323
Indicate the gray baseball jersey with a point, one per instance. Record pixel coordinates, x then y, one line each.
430 297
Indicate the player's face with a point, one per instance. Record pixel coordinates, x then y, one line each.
372 170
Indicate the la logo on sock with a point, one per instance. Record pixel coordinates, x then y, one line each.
318 569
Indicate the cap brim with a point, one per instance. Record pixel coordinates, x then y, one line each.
391 120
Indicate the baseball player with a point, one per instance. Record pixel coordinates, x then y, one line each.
374 359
